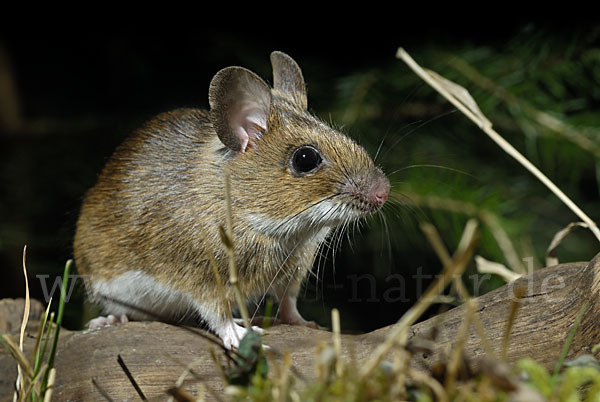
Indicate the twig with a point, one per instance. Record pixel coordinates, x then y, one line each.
131 379
505 145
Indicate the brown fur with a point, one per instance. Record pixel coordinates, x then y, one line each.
159 202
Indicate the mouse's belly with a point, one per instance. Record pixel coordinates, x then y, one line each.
141 297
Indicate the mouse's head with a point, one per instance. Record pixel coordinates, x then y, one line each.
290 172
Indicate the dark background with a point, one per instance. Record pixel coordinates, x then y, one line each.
70 100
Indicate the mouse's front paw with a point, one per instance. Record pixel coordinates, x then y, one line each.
232 334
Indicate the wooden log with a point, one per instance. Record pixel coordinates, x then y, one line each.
154 352
547 310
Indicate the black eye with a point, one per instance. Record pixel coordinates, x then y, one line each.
305 159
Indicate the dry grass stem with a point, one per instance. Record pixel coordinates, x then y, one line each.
50 385
401 364
457 353
20 378
215 269
18 355
233 278
337 340
284 379
497 138
174 391
551 258
469 233
430 382
437 244
399 334
486 217
35 353
542 118
512 315
490 267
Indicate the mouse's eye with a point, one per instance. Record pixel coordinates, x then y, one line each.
305 159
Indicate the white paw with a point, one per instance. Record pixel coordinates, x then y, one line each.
231 334
108 320
240 322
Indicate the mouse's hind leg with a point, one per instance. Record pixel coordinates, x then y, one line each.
287 295
110 319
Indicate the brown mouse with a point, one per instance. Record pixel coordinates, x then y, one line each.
147 229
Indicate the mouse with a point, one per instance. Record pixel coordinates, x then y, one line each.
149 227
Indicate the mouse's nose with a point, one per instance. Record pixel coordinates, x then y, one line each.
380 189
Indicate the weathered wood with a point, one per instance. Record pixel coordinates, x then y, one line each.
152 350
11 314
553 297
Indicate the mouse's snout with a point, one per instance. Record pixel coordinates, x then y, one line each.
369 193
380 189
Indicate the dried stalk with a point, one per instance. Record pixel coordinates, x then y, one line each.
487 217
542 118
457 353
337 341
21 379
466 239
485 125
432 383
228 240
399 335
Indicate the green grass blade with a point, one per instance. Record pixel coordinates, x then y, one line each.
61 307
39 340
565 350
40 345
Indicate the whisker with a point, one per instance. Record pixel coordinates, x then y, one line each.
423 123
275 277
287 220
432 166
379 148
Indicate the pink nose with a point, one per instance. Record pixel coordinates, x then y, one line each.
380 190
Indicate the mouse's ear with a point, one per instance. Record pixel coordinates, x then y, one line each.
287 78
240 103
